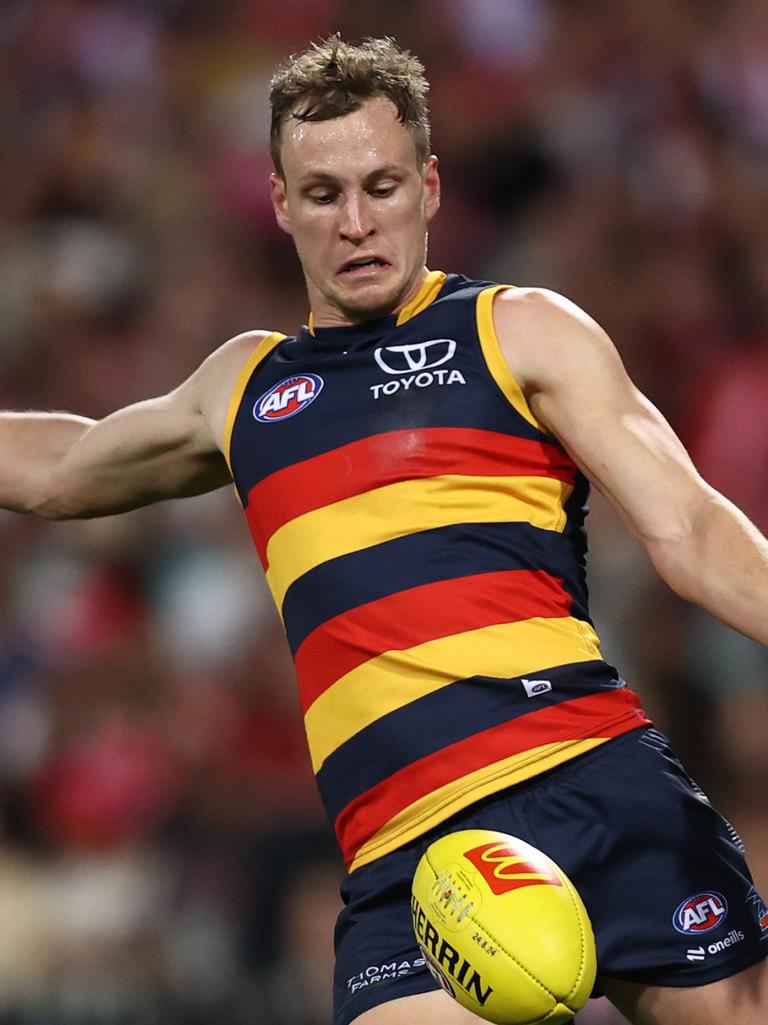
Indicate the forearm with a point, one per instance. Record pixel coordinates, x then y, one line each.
68 467
32 445
137 455
721 564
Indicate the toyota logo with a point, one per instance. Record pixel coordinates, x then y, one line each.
405 359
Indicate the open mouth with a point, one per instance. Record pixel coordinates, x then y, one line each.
362 266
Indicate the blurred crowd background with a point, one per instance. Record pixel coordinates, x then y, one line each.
163 855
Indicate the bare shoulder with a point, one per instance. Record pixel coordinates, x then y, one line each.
214 381
546 337
230 357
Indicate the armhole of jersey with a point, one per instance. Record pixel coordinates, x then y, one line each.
497 365
262 350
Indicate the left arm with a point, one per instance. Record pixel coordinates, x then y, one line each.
702 545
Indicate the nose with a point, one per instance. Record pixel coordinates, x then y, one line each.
356 221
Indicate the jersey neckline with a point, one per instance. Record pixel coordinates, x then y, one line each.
333 337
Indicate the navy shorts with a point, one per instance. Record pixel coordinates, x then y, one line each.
662 874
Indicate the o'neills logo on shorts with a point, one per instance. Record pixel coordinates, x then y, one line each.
504 869
288 397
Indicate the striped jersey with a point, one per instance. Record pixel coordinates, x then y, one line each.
422 536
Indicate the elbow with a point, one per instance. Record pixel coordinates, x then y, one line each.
51 509
51 501
672 559
54 512
679 555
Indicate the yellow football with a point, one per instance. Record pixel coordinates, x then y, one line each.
503 929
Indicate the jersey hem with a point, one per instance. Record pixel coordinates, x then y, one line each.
370 852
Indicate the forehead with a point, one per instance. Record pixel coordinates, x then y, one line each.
349 146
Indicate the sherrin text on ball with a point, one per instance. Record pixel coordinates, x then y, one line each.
503 929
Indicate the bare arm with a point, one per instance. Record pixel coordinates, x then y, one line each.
63 466
701 544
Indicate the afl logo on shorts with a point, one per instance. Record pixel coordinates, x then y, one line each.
700 913
288 397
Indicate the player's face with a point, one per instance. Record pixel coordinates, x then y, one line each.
357 203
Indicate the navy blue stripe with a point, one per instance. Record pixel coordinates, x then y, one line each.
427 557
347 411
445 717
576 511
352 405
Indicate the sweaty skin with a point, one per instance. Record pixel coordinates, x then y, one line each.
353 190
62 466
357 203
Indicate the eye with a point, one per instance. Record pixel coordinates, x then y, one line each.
321 196
381 191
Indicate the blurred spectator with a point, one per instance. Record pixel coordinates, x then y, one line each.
163 852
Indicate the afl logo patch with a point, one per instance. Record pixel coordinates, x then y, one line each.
700 913
288 397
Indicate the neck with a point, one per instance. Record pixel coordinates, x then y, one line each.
325 313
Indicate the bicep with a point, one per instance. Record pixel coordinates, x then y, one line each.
578 387
156 449
166 447
630 453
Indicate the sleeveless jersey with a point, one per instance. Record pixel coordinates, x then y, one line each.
422 536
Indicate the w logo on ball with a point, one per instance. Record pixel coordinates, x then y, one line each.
504 869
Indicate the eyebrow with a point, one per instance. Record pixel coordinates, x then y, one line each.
325 178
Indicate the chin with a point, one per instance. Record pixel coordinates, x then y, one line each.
368 312
370 307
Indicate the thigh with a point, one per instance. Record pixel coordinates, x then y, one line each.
377 958
422 1009
662 874
741 998
378 961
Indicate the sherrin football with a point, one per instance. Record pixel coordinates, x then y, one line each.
503 929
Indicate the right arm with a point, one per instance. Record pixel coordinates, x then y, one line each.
62 466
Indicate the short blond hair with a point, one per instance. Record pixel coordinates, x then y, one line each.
332 78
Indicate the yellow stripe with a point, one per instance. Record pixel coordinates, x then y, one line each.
262 350
436 807
396 678
497 365
426 295
407 507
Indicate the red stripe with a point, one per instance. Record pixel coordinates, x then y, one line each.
578 718
391 457
422 614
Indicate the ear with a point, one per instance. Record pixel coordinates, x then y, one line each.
280 201
431 186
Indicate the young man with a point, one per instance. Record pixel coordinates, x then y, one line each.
413 469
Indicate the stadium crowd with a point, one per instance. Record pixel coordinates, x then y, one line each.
164 856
